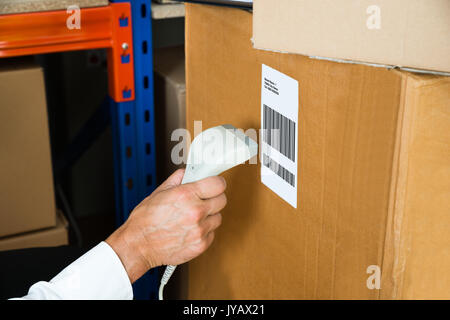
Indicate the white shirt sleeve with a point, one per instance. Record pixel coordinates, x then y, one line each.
97 275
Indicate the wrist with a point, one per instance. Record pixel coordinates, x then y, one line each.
134 262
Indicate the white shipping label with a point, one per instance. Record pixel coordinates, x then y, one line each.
279 142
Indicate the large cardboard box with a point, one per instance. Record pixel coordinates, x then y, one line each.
404 33
50 237
26 183
373 175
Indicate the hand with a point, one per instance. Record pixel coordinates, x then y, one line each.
173 225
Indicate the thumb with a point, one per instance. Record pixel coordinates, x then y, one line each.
172 181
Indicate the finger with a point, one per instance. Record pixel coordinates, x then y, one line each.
211 223
216 204
208 240
209 187
205 243
172 181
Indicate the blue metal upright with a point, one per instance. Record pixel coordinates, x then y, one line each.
133 129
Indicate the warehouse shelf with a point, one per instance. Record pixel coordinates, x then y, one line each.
123 28
103 27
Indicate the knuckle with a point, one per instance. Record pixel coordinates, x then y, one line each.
185 193
196 213
198 234
181 192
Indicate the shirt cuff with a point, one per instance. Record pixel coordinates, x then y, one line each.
97 275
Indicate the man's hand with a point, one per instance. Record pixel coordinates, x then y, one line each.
173 225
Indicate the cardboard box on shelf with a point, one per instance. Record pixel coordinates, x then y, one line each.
26 185
50 237
403 33
170 103
373 184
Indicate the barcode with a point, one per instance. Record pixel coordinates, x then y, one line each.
282 172
279 132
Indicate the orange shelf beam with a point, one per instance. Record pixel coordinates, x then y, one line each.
102 27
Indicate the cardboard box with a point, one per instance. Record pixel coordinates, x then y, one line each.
404 33
26 185
170 104
373 175
51 237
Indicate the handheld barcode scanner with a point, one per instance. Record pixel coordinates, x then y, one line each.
212 152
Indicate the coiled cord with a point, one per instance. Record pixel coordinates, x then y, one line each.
165 278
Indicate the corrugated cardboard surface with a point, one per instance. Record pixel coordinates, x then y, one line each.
411 33
352 125
51 237
417 242
26 184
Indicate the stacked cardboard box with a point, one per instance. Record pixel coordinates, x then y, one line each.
27 201
410 34
373 179
49 237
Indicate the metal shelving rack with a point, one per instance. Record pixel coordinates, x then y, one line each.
124 29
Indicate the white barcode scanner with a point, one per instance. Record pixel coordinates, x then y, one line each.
212 152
